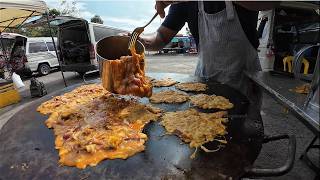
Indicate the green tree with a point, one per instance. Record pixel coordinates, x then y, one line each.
97 19
54 12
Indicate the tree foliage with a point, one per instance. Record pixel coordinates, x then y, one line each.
97 19
54 12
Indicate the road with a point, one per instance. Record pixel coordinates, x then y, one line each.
276 119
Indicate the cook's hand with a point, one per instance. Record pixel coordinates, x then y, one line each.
161 5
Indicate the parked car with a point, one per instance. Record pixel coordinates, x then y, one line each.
77 39
41 55
179 44
285 30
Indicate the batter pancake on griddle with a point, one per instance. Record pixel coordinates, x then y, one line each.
106 127
191 86
169 96
205 101
79 95
194 127
164 82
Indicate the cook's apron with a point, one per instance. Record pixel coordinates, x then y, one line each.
225 52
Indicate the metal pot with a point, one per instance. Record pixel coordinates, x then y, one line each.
113 47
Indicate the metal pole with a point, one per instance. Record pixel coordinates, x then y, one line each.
4 55
55 49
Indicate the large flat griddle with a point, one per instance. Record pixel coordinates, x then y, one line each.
27 147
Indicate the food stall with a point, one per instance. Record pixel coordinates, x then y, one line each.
165 155
13 14
35 142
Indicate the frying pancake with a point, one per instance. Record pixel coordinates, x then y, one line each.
164 82
194 127
106 127
169 96
303 89
79 95
191 86
205 101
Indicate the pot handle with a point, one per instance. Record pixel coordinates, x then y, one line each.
258 172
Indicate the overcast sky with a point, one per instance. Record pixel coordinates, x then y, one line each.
124 14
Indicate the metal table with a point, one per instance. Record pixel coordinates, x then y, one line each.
278 87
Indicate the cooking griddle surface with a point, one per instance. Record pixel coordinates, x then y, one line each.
27 148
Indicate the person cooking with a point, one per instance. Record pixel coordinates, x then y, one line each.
226 38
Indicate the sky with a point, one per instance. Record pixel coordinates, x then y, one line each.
123 14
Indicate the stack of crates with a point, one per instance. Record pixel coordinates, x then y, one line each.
8 94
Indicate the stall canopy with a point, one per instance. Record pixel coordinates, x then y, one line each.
14 13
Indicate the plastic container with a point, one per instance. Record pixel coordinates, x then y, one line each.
8 95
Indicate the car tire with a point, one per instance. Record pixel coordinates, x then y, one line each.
28 73
44 69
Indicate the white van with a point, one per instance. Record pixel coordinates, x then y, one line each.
77 39
285 30
41 55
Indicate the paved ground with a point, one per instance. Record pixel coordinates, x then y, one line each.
276 120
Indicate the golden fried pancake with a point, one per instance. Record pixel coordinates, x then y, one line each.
79 95
194 127
191 86
303 89
169 96
164 82
205 101
106 127
153 109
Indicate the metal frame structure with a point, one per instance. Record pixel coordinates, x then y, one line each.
32 13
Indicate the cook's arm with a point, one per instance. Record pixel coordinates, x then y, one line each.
258 5
159 39
173 22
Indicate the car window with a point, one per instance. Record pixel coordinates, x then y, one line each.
102 32
7 44
50 46
37 47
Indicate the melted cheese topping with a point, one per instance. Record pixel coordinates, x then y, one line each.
106 127
126 75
